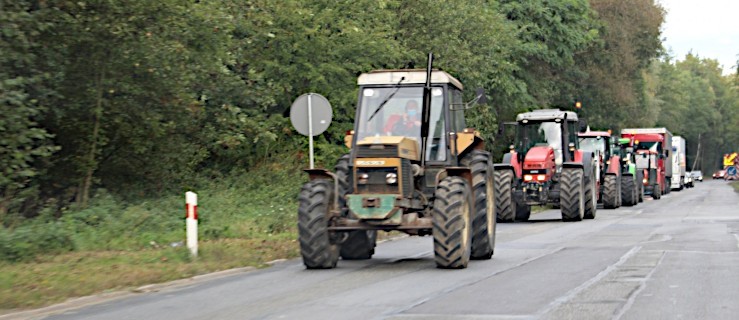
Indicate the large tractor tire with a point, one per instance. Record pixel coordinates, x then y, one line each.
640 186
656 192
591 202
505 204
483 216
611 192
359 244
452 223
628 190
316 244
572 194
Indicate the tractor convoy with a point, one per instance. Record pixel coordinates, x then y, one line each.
415 167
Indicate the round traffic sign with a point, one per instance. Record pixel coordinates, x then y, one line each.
311 114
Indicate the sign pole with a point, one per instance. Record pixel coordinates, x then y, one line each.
310 129
191 222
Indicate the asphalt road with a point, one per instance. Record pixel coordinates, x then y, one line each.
675 258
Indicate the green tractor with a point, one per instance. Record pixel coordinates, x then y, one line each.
632 187
415 170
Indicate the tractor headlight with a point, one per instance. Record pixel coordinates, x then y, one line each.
363 178
391 178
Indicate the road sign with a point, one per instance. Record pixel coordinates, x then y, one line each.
311 115
311 112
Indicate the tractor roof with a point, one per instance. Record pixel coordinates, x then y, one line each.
392 77
594 134
547 114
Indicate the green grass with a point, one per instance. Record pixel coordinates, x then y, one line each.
735 184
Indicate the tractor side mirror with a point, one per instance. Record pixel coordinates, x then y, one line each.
480 96
582 125
644 155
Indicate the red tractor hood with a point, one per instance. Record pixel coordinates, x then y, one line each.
539 158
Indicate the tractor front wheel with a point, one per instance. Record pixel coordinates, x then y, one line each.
452 223
656 192
572 195
610 192
505 205
627 190
483 219
591 203
316 244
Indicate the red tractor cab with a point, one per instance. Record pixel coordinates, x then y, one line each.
607 168
546 166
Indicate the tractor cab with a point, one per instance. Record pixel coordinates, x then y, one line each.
545 140
388 129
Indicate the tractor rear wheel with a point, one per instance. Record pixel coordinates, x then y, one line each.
627 190
483 218
591 203
344 176
316 244
656 192
452 223
359 245
505 205
572 195
523 212
610 192
639 186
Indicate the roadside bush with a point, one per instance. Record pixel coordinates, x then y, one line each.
28 241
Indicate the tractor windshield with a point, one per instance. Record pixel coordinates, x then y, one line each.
399 114
645 160
593 144
534 134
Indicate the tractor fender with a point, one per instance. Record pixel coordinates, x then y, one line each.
614 165
586 163
510 161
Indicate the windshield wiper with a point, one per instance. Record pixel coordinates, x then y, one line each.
387 99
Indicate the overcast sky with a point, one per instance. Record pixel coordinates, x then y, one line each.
708 28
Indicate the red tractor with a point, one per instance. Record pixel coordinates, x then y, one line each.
648 162
546 166
608 166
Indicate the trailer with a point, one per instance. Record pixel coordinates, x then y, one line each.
678 164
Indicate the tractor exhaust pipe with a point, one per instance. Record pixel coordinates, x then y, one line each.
426 107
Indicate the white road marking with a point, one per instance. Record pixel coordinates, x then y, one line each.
632 297
572 293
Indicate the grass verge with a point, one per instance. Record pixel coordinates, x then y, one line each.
735 184
244 220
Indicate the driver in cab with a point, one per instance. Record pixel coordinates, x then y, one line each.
409 123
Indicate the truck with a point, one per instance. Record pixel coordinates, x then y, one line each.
546 166
678 164
659 142
421 172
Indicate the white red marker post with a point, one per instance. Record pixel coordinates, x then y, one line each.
191 200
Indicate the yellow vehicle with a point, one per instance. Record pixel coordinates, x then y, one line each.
422 173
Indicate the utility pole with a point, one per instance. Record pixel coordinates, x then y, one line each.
697 153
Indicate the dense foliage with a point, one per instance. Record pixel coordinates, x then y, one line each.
146 99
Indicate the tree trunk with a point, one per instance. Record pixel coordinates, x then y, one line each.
83 195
